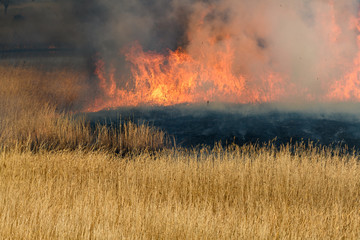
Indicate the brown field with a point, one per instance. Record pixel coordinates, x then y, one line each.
62 179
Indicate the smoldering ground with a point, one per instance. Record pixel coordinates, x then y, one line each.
195 125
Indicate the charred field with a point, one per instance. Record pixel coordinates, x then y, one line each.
210 123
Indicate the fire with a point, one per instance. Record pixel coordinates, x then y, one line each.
222 66
178 78
348 88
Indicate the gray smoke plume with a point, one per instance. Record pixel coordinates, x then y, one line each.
311 43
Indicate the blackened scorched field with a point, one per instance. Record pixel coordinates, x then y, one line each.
193 125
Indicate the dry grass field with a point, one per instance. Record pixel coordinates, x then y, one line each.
30 118
62 179
239 193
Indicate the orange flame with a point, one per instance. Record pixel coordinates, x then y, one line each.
348 87
209 75
178 78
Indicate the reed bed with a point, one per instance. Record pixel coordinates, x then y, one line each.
33 116
244 192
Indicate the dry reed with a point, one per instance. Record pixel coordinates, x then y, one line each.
239 193
31 117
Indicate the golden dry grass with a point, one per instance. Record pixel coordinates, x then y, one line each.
237 193
31 116
27 88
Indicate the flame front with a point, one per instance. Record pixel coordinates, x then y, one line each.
222 66
178 78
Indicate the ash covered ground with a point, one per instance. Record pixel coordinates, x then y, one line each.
206 124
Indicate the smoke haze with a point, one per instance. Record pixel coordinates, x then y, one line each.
310 45
277 50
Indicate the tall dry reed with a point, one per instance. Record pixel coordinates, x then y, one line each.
236 193
32 116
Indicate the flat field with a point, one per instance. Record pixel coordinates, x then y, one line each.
63 179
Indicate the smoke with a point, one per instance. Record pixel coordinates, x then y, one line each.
310 45
293 38
111 24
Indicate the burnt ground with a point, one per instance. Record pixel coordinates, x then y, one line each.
193 125
206 124
197 125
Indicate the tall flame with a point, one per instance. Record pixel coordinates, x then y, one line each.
348 87
208 72
178 78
